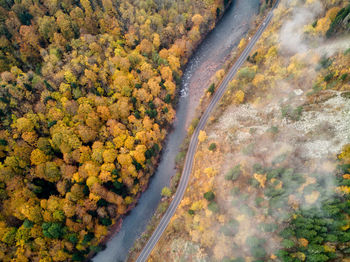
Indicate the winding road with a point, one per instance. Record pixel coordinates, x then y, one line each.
194 141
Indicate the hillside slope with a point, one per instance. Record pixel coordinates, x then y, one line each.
270 180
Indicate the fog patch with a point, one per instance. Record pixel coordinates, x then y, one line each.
291 37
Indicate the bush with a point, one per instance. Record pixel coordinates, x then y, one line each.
273 130
329 77
105 221
247 211
325 62
212 147
265 227
78 257
258 252
213 207
256 246
52 230
233 173
231 228
235 191
258 201
180 157
253 241
195 123
211 89
95 249
286 243
249 149
246 73
88 237
239 259
293 114
210 196
336 24
73 238
343 77
166 191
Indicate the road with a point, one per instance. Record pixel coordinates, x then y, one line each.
194 141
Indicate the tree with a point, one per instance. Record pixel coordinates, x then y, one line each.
212 147
166 192
38 157
47 27
231 228
210 196
211 88
256 246
233 173
202 136
52 230
197 19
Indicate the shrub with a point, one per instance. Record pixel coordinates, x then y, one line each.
273 130
329 77
73 238
265 227
258 201
212 147
210 196
253 241
246 73
256 246
325 62
239 259
88 237
338 21
233 173
77 256
235 191
213 207
293 114
52 230
166 191
258 252
247 211
211 89
249 149
180 157
105 221
95 249
231 228
286 243
344 76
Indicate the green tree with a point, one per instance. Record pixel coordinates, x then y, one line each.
210 196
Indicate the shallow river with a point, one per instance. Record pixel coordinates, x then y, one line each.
208 58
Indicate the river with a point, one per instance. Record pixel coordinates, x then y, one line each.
208 58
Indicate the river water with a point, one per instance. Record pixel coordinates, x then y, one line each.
208 58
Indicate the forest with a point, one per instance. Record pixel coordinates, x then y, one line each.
88 90
270 180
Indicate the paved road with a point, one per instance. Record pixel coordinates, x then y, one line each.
194 141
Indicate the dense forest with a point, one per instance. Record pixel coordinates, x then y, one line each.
87 94
271 176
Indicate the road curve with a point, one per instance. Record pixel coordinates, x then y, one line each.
194 141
